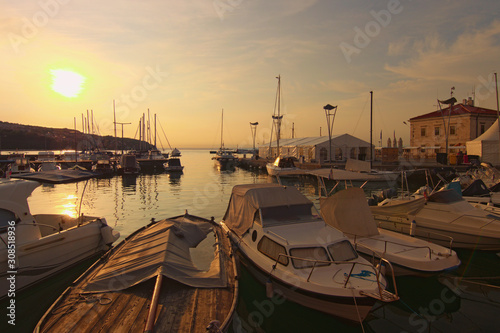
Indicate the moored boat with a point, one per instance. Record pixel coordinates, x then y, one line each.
348 211
290 248
282 166
149 282
45 244
442 217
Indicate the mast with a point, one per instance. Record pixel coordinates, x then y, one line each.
277 118
222 131
371 117
114 123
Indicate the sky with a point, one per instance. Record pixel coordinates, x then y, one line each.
186 61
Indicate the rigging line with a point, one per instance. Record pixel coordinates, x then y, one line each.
359 118
164 133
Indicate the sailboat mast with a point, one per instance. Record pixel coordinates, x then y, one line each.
222 131
278 131
371 117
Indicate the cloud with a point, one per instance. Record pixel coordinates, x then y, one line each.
472 53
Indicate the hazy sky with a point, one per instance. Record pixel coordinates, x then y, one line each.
188 60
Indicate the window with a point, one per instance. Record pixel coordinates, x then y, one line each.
312 253
342 251
482 128
436 131
273 250
422 131
453 130
6 216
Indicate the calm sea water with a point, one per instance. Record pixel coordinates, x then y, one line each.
430 304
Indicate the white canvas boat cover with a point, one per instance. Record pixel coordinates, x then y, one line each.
162 247
399 208
348 211
247 200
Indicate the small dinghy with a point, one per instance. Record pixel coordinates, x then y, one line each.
149 283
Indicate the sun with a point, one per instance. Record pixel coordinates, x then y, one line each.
67 83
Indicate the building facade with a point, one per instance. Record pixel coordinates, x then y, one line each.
465 122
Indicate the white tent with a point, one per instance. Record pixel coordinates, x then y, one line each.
486 146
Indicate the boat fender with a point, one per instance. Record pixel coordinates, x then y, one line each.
109 235
413 228
269 289
214 327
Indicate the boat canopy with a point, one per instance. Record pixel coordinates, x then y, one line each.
400 208
163 247
277 203
348 211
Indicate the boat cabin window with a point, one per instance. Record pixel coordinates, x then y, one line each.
342 251
288 214
5 217
311 253
447 196
272 250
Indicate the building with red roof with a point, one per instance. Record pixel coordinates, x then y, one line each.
463 122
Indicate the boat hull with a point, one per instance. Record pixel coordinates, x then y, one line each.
351 308
440 236
41 259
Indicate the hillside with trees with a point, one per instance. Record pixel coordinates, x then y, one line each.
26 137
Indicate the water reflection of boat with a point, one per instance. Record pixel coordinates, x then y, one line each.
45 244
165 293
290 248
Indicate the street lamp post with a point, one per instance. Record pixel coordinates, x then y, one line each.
253 129
330 118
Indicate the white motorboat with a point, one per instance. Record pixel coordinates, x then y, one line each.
282 166
442 217
20 164
34 247
348 211
290 248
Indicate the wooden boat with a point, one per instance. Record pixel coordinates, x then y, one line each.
348 211
288 247
149 283
45 244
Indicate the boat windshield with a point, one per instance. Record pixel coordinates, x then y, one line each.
289 214
6 216
316 256
342 251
